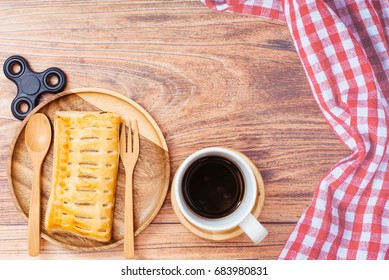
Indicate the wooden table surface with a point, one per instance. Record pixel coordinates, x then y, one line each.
208 79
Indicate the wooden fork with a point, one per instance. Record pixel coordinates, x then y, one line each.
129 153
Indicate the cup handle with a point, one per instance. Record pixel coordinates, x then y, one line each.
253 228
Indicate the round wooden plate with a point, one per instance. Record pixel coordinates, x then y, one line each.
226 234
151 175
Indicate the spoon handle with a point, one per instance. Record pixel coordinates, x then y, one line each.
34 230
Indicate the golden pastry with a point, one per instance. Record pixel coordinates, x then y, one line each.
85 165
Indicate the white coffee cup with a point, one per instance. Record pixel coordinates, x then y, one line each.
242 216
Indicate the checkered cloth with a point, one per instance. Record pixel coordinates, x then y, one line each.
344 48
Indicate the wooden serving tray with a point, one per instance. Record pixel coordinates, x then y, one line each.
151 175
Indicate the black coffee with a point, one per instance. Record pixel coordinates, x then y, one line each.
213 187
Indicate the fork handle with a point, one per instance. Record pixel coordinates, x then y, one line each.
129 218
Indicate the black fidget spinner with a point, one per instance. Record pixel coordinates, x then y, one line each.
30 84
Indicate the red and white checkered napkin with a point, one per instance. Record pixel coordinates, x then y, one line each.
344 48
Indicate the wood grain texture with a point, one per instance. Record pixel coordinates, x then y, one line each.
207 79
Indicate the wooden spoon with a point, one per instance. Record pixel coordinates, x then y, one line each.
37 139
